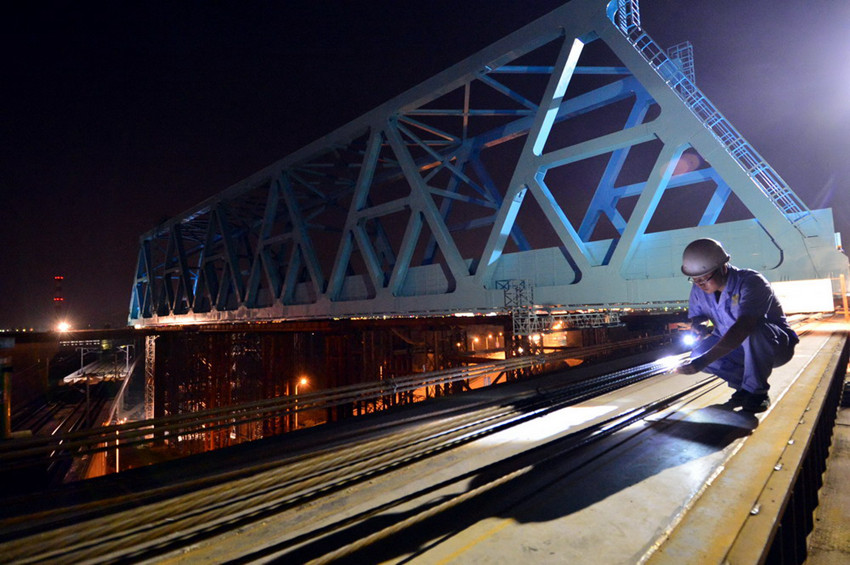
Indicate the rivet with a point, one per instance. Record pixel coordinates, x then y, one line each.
755 510
777 467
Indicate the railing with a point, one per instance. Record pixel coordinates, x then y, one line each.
683 55
35 450
767 179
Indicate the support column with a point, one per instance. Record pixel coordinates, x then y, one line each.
6 399
150 372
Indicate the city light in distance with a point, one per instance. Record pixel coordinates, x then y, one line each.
63 326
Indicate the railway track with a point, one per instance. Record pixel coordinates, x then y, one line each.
90 440
53 422
186 517
387 490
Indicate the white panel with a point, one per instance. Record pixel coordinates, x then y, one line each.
813 295
543 267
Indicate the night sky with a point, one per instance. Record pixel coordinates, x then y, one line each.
117 115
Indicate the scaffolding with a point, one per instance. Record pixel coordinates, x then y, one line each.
150 375
519 302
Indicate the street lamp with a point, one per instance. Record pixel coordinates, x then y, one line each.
302 382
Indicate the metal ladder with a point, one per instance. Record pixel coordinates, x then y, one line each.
767 179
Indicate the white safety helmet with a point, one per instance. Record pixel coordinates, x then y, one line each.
703 256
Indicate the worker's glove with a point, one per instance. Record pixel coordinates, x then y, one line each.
702 329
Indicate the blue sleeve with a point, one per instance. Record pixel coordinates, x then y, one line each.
695 306
756 296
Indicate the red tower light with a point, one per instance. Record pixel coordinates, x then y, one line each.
58 298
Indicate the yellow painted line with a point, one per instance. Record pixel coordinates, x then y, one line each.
711 530
486 535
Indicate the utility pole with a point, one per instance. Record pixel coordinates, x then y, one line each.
6 398
83 351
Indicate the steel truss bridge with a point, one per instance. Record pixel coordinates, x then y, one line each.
575 157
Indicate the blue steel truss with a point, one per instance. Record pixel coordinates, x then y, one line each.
422 206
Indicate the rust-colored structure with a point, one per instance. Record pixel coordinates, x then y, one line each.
200 368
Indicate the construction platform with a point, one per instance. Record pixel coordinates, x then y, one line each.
701 482
692 480
707 483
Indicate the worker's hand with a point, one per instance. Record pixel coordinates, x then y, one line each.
702 329
691 366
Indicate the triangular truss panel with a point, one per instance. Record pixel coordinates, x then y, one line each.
575 155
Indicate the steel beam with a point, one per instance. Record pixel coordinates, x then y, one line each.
419 206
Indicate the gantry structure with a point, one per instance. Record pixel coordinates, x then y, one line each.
571 161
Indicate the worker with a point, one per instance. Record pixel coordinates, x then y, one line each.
742 327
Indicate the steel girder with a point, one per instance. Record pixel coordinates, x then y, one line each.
421 206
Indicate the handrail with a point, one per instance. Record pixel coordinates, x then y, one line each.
768 180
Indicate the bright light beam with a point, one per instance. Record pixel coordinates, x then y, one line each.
670 362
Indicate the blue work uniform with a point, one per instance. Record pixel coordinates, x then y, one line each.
770 345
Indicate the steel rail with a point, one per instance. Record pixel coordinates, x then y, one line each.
583 438
35 418
111 533
401 384
143 529
19 453
212 419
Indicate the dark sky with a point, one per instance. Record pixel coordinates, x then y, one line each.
119 114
